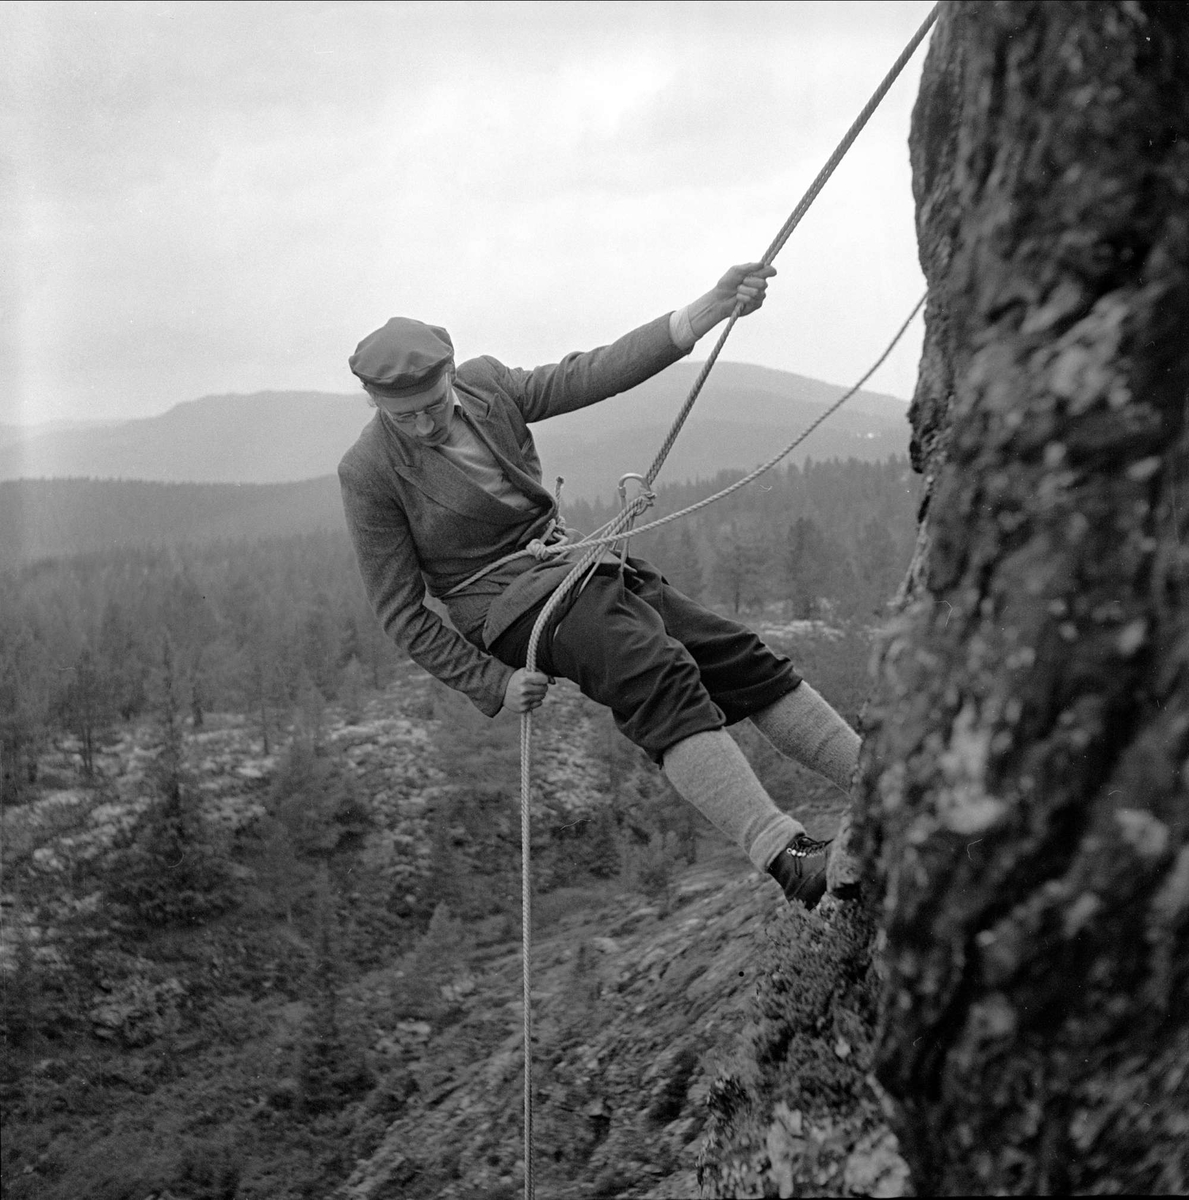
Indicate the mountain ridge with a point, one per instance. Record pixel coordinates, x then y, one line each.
283 437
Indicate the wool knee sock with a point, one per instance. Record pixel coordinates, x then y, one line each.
802 726
711 772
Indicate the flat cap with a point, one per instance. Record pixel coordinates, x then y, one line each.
403 356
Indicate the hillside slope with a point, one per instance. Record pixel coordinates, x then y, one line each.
177 1061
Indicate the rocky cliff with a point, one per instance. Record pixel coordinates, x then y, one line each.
1025 792
1023 812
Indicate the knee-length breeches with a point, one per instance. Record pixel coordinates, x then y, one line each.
665 666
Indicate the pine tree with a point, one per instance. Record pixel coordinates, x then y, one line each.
807 567
20 997
311 798
122 659
351 690
439 956
171 871
24 707
603 854
740 564
319 644
681 563
85 707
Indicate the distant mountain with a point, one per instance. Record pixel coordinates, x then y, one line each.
743 415
269 437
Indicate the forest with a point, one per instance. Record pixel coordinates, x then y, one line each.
256 865
257 624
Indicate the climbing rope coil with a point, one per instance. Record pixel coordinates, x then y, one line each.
622 527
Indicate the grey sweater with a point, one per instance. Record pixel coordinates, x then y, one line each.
420 523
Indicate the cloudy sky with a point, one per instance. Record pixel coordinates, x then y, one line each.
225 197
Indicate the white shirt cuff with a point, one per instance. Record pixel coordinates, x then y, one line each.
680 329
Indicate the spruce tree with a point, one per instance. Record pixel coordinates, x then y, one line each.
171 871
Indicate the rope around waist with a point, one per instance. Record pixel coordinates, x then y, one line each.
540 548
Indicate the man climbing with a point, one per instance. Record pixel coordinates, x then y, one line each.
445 481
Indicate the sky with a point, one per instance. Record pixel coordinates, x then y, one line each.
217 197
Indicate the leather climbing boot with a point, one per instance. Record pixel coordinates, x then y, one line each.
800 882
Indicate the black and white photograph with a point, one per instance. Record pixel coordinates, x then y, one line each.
594 599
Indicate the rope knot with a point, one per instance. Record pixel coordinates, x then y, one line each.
540 551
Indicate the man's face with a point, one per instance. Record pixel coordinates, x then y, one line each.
426 416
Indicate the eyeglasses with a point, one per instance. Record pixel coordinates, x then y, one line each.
434 410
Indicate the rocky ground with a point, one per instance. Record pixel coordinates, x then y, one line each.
636 1028
174 1066
634 1008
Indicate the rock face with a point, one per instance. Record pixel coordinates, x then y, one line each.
1026 785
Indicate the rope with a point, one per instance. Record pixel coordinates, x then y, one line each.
787 228
776 458
541 548
594 547
526 970
617 528
620 529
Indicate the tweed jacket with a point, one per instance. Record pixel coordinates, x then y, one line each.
420 524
